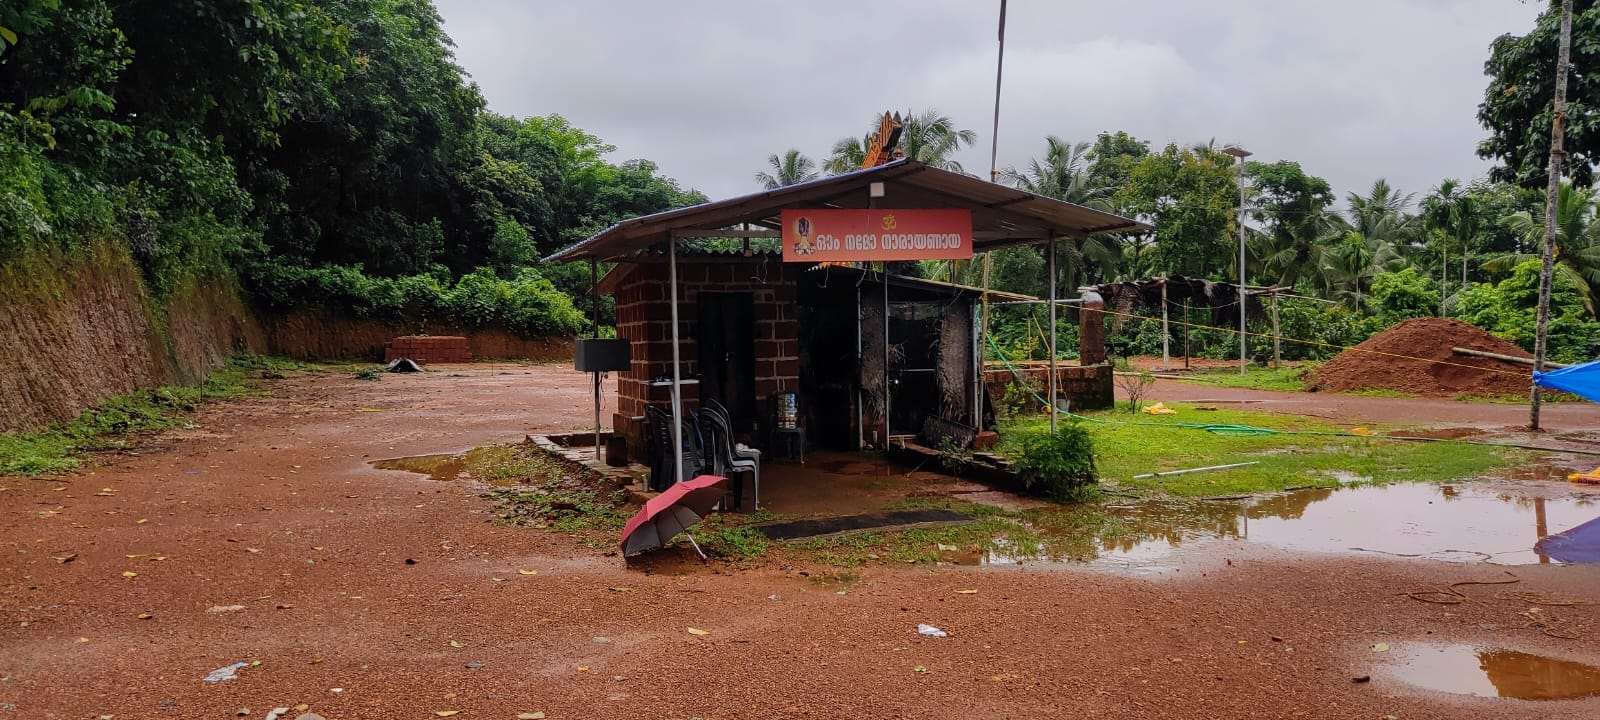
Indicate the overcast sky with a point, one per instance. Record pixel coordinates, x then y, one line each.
1352 89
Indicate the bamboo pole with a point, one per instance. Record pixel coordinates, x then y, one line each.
1507 358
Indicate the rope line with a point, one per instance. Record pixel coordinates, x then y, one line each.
1315 343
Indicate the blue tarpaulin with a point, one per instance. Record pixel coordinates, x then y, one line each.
1578 545
1582 379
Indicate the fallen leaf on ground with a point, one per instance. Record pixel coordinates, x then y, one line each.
966 592
531 716
456 644
142 521
138 555
144 616
520 571
1380 647
919 669
69 557
447 713
583 668
620 589
83 639
698 631
129 573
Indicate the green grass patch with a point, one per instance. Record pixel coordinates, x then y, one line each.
1379 393
113 424
1128 445
1283 379
541 490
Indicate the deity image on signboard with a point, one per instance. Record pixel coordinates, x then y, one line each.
802 236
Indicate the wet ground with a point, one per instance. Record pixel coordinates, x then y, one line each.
1493 672
364 593
1488 522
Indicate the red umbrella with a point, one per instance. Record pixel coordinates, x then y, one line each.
669 513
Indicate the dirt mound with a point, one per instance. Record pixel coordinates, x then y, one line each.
1415 357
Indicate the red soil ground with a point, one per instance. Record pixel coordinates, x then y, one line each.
270 503
1415 357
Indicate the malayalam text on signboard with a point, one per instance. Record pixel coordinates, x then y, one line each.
876 235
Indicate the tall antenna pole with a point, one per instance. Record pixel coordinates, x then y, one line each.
994 176
1552 196
999 70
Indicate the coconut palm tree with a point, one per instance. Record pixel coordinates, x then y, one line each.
1063 174
1370 243
1577 241
848 154
931 138
791 169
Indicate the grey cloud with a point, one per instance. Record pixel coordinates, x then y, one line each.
1352 90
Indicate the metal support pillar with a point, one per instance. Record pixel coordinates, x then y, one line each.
887 387
594 319
677 379
1051 255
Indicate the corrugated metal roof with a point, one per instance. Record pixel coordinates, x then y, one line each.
1001 216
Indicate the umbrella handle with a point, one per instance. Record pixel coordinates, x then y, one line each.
696 546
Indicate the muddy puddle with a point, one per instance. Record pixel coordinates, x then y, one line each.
1495 672
1463 523
444 466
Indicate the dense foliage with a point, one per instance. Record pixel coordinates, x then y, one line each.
328 153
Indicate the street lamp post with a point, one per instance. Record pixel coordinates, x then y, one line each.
1241 153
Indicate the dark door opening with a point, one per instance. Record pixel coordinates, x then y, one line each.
726 341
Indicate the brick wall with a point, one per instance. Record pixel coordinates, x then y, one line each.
429 349
644 316
1089 387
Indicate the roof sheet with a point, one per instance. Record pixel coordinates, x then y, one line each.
1002 216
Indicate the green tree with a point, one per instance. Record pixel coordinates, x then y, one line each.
1112 157
1377 229
1403 294
1518 103
1191 196
932 138
1293 208
927 137
1506 309
847 154
1577 242
792 168
1063 174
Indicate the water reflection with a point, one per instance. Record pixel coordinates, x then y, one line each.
1449 522
1496 672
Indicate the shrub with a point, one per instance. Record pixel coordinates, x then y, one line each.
528 305
1058 467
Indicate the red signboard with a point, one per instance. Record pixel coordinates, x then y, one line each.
876 235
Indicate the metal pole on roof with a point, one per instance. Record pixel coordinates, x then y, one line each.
677 379
999 69
594 317
1051 256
